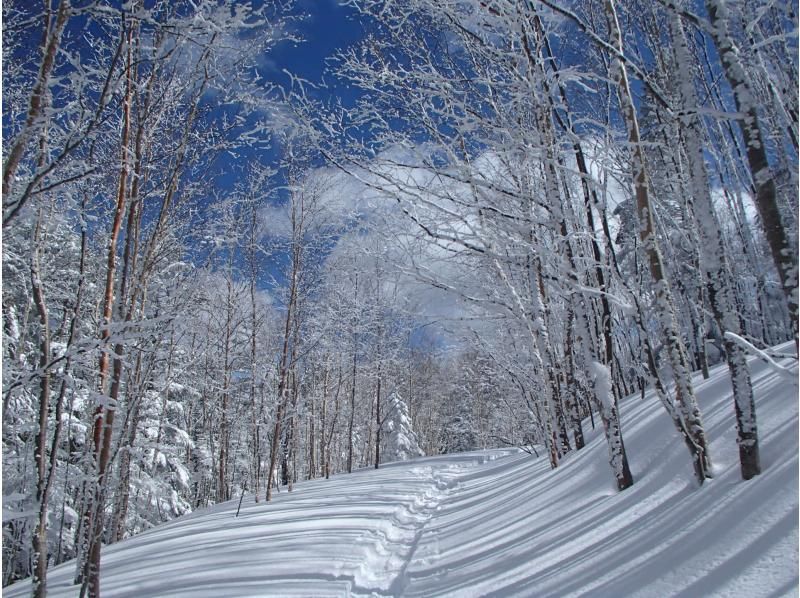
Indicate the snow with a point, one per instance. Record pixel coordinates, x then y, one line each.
761 354
602 384
502 522
403 442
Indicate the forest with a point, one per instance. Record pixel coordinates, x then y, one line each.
487 222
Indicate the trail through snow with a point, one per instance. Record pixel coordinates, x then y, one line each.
501 523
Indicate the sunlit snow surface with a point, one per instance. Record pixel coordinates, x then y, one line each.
502 523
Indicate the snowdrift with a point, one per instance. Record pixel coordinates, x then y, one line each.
502 523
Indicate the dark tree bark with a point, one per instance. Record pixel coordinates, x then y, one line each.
766 199
687 402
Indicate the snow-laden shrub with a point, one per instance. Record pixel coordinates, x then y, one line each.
402 441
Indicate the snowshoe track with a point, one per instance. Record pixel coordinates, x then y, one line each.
384 572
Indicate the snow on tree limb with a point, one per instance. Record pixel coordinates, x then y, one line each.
763 356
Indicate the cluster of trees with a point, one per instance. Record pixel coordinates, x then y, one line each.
113 115
531 210
619 225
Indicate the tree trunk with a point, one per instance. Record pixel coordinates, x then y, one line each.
104 415
378 421
352 410
715 267
687 402
329 439
39 579
572 385
37 103
283 381
612 427
766 199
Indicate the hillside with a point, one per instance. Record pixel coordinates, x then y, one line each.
502 523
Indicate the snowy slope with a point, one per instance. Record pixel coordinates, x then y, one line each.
502 523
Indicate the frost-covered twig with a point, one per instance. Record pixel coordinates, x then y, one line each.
776 367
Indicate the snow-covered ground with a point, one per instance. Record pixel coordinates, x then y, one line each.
502 523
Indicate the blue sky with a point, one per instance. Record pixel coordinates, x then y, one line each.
327 28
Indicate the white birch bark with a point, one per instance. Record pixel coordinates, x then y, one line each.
687 402
714 262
